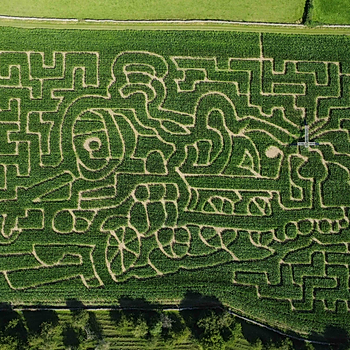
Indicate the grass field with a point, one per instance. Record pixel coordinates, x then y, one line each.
236 10
149 164
331 12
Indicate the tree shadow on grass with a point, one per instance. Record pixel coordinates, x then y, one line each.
7 314
70 337
134 310
338 336
200 301
252 333
137 304
35 319
75 305
95 326
116 316
12 324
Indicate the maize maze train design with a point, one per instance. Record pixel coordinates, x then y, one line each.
112 175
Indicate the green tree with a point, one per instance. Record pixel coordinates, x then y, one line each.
286 344
141 328
80 319
182 337
166 320
237 330
213 341
103 345
216 329
14 334
258 345
8 342
80 332
156 329
50 337
309 346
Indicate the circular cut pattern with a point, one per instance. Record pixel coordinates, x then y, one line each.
63 222
273 152
92 144
305 226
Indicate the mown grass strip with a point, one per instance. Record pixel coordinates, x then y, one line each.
178 26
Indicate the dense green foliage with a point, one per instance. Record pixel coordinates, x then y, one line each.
308 13
199 329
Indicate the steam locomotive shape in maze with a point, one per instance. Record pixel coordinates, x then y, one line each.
173 163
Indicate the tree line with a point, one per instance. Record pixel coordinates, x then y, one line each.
202 322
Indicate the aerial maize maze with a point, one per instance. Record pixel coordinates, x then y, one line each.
141 172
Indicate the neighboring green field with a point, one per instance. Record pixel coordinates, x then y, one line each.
149 164
233 10
331 12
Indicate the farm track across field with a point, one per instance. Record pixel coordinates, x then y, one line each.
91 24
